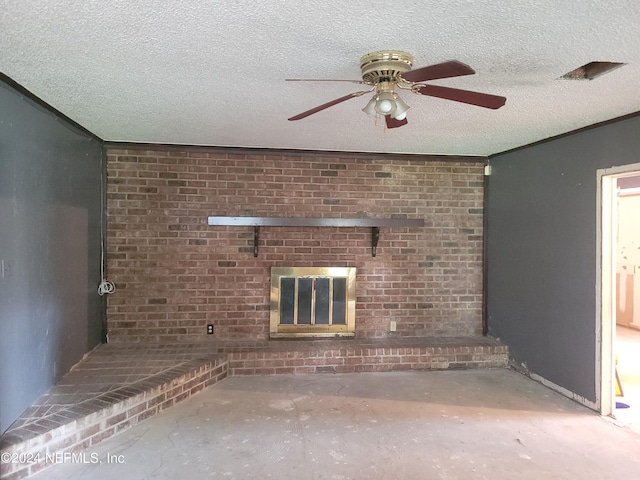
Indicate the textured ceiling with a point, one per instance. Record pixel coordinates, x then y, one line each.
213 73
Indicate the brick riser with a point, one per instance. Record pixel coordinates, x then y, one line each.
72 438
347 360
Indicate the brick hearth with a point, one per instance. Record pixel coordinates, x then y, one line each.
117 386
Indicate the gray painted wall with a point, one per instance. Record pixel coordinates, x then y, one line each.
541 250
50 201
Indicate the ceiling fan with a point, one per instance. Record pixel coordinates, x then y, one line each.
388 70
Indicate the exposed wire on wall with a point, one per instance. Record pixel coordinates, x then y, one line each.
105 287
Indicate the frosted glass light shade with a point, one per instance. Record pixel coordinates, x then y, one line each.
370 108
400 112
386 104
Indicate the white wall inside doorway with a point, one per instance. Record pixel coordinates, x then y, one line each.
606 288
628 259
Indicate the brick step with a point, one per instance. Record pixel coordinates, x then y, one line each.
351 356
75 414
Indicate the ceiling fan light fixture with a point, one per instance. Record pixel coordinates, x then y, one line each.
400 113
385 103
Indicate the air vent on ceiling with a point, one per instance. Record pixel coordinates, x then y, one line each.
591 70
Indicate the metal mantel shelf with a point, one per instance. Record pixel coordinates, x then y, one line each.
373 223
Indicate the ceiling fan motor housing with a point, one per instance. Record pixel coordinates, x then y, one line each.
384 66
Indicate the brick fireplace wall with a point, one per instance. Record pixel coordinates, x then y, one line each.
175 274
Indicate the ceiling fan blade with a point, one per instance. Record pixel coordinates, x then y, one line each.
452 68
394 123
326 105
320 80
465 96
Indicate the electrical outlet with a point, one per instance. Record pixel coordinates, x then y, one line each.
392 326
210 329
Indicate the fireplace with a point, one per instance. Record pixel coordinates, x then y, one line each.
313 302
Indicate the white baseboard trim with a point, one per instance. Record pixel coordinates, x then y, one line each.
563 391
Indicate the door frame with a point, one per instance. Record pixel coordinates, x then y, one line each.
607 225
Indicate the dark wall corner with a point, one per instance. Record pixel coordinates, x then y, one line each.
541 253
50 212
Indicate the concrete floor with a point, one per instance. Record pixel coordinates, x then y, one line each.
491 424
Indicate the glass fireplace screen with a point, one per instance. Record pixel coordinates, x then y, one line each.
312 301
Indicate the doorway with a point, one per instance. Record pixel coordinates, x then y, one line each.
619 294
